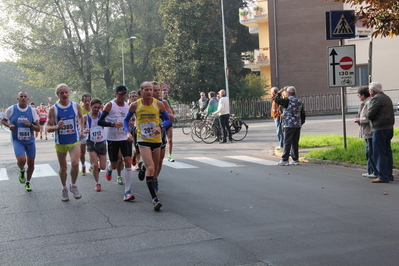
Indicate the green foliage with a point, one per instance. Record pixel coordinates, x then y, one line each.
244 12
354 154
191 58
253 86
14 81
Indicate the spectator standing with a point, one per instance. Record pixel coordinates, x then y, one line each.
22 120
213 103
293 118
365 131
203 102
224 112
382 118
275 113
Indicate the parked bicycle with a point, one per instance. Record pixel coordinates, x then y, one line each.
188 125
211 131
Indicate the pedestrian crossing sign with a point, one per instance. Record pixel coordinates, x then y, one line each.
340 24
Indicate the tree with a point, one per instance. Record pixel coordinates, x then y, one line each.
191 58
253 86
381 15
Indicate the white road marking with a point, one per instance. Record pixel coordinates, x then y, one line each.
252 160
42 170
214 162
3 174
178 165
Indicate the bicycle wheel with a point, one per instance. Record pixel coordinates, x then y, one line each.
208 134
186 128
196 130
239 129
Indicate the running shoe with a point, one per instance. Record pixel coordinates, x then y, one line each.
46 138
128 196
141 171
28 187
136 167
294 162
119 180
155 185
283 163
365 174
98 187
170 159
157 204
64 195
91 170
22 178
83 170
41 137
108 174
74 190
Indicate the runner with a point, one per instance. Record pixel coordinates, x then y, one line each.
42 120
112 119
149 130
63 120
22 120
95 143
157 95
169 130
85 107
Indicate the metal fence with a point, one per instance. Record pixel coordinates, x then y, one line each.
315 104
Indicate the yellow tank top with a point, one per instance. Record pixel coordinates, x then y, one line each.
147 118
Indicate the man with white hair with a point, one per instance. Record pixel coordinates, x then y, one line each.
293 118
382 119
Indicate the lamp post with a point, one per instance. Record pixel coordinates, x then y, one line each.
123 59
224 52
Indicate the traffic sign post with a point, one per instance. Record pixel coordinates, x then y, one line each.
341 66
340 24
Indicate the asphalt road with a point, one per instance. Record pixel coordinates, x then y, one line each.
237 209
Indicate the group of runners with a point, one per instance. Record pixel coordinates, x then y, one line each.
131 131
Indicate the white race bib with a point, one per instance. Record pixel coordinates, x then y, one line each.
23 133
68 127
96 134
146 130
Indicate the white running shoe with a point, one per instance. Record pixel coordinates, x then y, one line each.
294 162
283 163
64 195
74 190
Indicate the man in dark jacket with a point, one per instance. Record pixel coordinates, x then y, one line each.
293 118
382 119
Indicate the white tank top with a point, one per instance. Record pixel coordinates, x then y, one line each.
117 114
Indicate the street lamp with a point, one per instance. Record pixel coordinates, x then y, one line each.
224 52
123 59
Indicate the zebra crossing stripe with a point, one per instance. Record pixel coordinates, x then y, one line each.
252 160
178 165
42 170
214 162
3 174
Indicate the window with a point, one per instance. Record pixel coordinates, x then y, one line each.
362 75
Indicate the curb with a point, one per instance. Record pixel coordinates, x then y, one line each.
278 153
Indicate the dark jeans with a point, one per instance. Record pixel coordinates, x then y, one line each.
224 123
371 168
382 153
291 139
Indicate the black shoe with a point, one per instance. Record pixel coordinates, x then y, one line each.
141 171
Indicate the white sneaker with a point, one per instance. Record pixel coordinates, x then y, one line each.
372 176
294 162
64 195
283 163
365 174
74 190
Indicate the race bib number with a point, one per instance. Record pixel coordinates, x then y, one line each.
146 130
96 134
68 127
120 129
23 133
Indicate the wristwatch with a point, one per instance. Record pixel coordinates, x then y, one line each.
112 124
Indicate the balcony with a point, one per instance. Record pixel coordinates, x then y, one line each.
256 59
254 13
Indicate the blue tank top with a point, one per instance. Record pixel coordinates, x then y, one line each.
22 132
69 133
